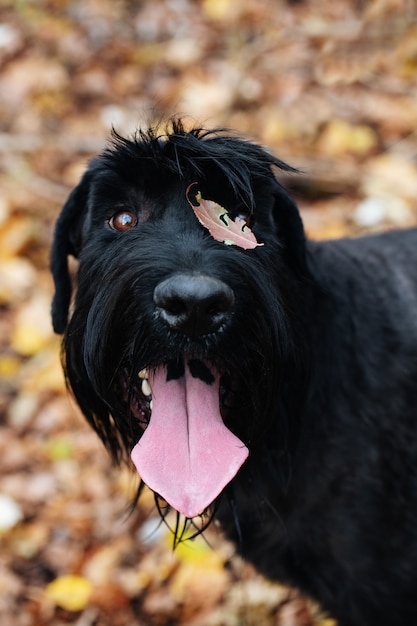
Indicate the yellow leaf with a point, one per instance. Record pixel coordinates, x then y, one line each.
218 10
59 449
70 592
9 366
340 137
15 235
44 371
197 552
27 339
33 328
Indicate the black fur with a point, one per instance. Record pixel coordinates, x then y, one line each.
318 360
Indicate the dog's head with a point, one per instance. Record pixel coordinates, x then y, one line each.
185 326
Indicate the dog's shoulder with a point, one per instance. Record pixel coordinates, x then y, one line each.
387 251
371 279
389 239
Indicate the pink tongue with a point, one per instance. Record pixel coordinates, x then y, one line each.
186 454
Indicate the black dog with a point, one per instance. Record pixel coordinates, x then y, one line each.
283 372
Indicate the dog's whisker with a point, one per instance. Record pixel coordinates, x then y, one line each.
235 518
133 504
175 534
183 533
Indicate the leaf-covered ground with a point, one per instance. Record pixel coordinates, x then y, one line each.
331 87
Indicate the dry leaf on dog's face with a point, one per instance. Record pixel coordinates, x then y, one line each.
220 225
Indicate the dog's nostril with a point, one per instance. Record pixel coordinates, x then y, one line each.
194 305
219 305
174 306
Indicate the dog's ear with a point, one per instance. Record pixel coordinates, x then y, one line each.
290 229
66 241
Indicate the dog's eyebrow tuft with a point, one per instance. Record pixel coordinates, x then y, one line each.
198 153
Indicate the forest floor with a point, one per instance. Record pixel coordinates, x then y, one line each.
331 88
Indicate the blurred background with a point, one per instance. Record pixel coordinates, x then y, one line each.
331 87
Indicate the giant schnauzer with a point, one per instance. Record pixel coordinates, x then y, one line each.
249 374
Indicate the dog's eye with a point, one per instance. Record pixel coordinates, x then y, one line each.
124 220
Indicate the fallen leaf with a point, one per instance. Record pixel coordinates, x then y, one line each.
10 513
374 210
218 10
110 597
16 234
33 327
220 225
70 592
340 137
32 74
383 172
43 371
198 552
100 566
29 539
59 449
199 587
17 278
9 366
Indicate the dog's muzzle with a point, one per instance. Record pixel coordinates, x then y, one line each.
193 304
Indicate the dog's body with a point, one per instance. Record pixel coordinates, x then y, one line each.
310 349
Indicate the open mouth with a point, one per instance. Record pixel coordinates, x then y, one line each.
186 454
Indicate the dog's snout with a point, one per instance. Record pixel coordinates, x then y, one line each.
194 305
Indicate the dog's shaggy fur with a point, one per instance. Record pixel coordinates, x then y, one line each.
316 349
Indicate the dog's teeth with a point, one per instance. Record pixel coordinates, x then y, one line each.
143 374
151 405
146 388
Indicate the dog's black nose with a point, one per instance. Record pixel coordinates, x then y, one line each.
193 304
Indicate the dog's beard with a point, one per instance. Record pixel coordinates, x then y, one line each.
111 339
187 454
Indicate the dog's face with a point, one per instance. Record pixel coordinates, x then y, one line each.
185 307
